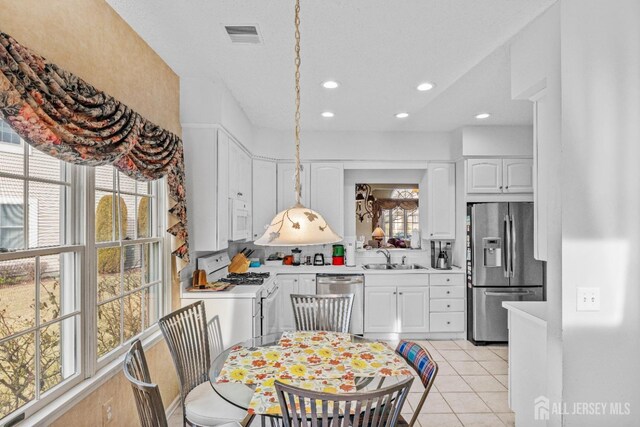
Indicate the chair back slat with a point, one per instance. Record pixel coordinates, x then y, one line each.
322 312
186 333
146 394
377 408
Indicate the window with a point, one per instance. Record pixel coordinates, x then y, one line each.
9 140
39 298
399 221
128 258
58 221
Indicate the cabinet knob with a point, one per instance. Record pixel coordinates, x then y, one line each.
448 280
239 194
432 234
448 323
448 292
400 293
501 187
448 305
507 187
394 293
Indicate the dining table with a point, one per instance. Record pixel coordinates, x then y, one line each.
331 362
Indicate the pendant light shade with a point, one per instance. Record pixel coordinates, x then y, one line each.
298 226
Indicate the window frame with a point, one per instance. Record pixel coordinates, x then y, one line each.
79 238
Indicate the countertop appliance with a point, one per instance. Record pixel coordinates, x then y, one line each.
240 219
318 259
345 284
500 266
215 266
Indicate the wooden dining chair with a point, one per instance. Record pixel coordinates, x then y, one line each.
146 394
421 361
377 408
322 312
187 336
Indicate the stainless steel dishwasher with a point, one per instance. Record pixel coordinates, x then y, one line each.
345 284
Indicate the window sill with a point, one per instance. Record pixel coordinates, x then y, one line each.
68 400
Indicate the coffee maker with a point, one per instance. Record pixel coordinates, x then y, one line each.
441 254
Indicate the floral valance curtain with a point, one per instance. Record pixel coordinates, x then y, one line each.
380 205
62 115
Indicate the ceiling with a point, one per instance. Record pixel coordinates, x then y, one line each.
379 51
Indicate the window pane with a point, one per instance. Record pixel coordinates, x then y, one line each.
152 262
127 185
42 165
107 216
153 304
108 326
132 267
104 177
12 151
17 373
12 213
108 273
57 290
17 296
50 356
128 215
143 187
144 217
132 315
46 202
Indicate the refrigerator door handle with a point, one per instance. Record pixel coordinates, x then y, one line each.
504 294
507 247
513 246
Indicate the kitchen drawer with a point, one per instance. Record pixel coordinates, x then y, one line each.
439 292
396 279
447 280
444 305
447 322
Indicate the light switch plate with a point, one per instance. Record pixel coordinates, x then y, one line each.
588 299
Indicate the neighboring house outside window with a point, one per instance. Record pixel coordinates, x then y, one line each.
9 140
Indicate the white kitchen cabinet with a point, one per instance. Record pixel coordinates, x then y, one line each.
484 176
264 194
413 309
307 284
327 193
207 176
380 309
517 175
441 201
513 175
239 173
287 185
396 303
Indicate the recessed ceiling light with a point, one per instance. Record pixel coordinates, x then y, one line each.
422 87
402 115
328 114
483 116
330 84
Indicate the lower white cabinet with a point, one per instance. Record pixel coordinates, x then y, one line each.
292 284
396 303
447 322
447 303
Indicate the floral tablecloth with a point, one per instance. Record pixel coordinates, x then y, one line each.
319 361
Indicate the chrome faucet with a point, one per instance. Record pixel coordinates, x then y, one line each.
404 258
386 254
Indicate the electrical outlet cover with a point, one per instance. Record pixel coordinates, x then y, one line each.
588 299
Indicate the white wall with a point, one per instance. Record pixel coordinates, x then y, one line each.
601 204
318 145
497 141
203 101
535 65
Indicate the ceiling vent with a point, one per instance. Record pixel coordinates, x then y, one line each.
246 34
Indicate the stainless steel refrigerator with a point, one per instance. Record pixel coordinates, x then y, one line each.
500 266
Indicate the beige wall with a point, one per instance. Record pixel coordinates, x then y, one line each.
89 411
89 39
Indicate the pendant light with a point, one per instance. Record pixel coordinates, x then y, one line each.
298 226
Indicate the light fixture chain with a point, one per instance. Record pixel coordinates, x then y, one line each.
297 115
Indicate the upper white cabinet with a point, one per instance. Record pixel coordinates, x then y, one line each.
517 175
264 194
287 184
484 176
500 175
239 173
206 152
441 203
327 193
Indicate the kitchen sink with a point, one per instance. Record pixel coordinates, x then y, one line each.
408 267
377 267
393 267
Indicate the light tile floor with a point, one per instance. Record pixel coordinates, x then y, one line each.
470 389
